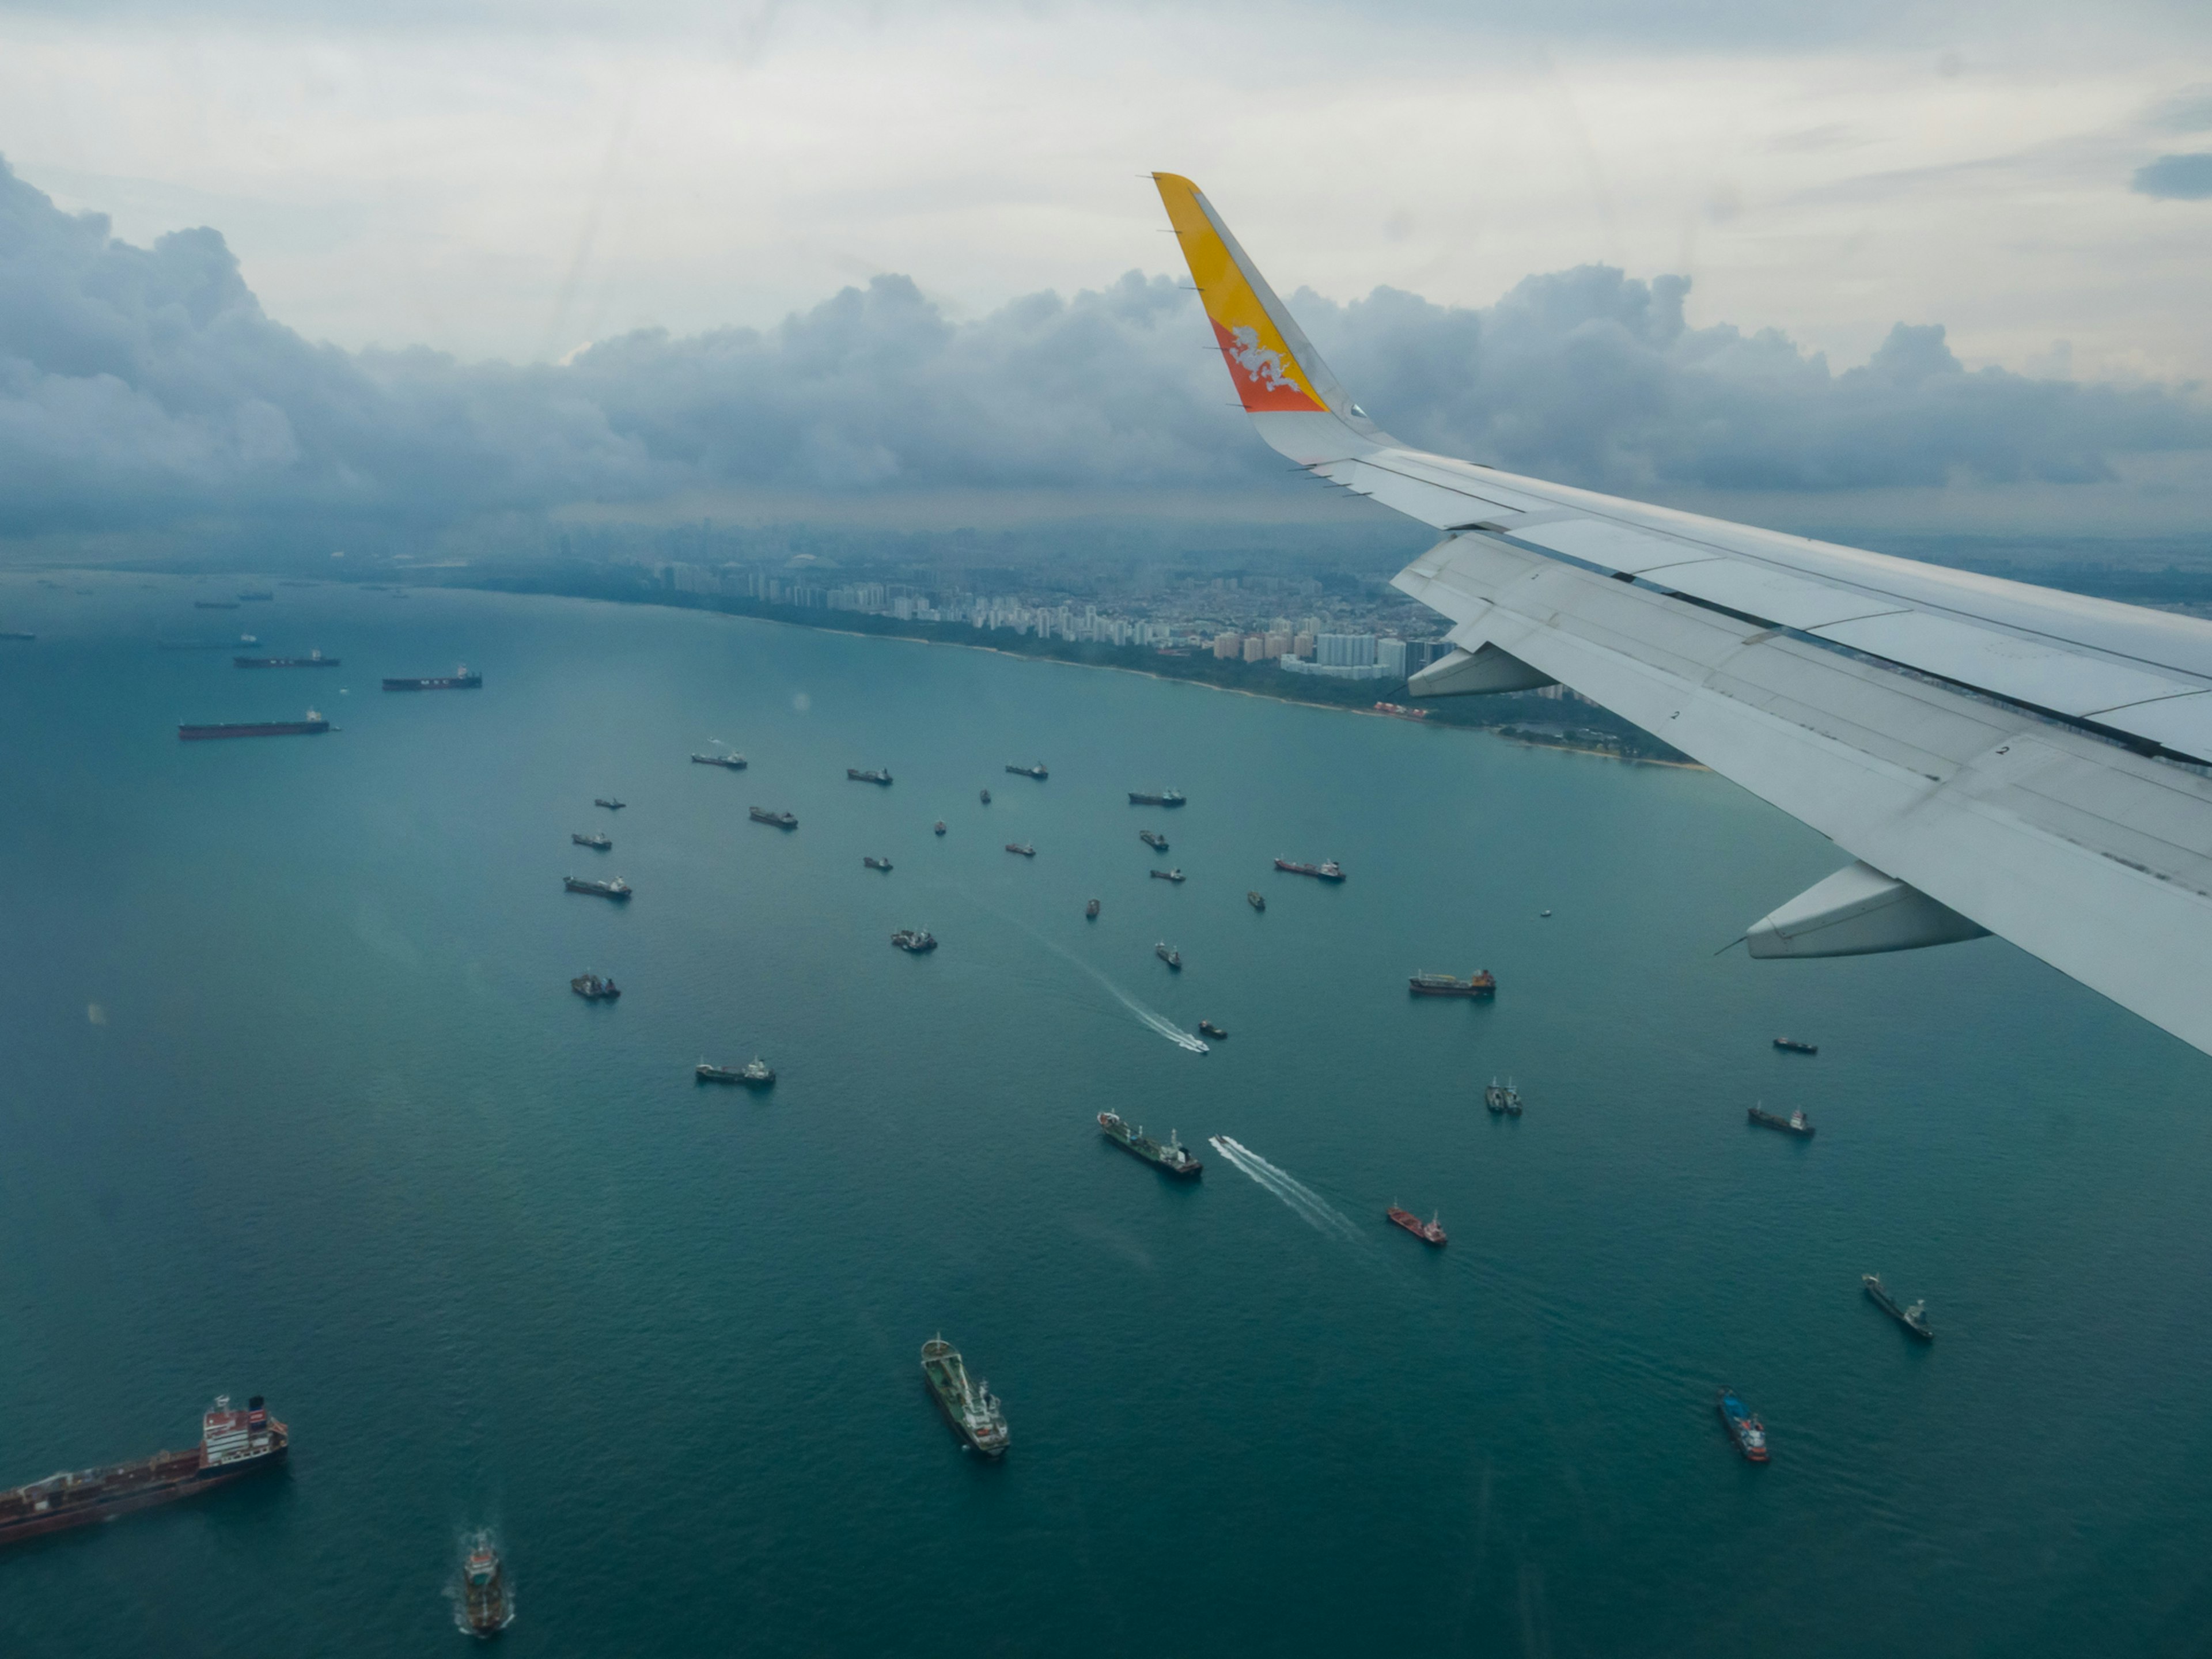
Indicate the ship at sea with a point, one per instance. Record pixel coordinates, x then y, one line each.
781 820
1171 1155
592 988
914 941
755 1074
986 798
1167 875
1329 870
1169 954
970 1407
874 863
1256 899
1914 1318
609 802
1036 771
233 1444
1167 797
1479 984
728 762
1207 1028
600 842
1796 1123
215 604
486 1606
1790 1045
313 659
459 680
1153 839
615 889
1745 1430
314 726
1023 848
1502 1099
939 829
881 775
1090 911
1429 1232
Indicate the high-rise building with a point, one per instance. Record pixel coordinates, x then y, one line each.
1390 656
1255 648
1345 651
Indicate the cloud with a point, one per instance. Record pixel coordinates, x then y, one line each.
2176 178
145 390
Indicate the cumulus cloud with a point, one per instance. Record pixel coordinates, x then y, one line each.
146 389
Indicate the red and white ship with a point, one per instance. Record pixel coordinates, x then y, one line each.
1429 1231
233 1444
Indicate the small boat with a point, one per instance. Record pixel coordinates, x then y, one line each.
939 829
592 988
986 798
1429 1231
1036 771
1914 1318
1258 901
486 1607
1328 870
1796 1123
1746 1431
1153 839
1540 914
1207 1028
781 820
616 888
1091 910
971 1408
874 863
1023 847
1502 1099
880 776
612 806
597 842
1169 954
731 762
1167 875
755 1074
1790 1045
914 941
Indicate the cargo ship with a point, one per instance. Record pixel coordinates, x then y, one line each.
1256 899
598 842
313 659
616 888
986 798
1153 839
609 802
233 1444
1502 1099
1167 875
487 1608
1207 1028
592 988
1328 871
781 820
1796 1123
880 776
1429 1231
1481 984
939 828
1023 848
1746 1431
1790 1045
314 726
730 762
1172 1156
1169 954
1036 771
755 1074
1167 798
970 1407
874 863
914 941
459 680
1090 911
1914 1318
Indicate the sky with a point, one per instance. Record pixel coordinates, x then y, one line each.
1938 265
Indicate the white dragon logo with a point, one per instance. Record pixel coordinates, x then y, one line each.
1260 362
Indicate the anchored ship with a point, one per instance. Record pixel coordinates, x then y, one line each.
1153 839
986 798
1036 771
781 820
459 680
1328 871
1090 911
1167 875
1429 1231
1022 847
1502 1099
1168 954
1257 900
598 842
215 604
592 988
1792 1046
970 1407
616 888
882 777
755 1073
729 763
1172 1156
1914 1318
914 941
313 659
1480 984
1746 1431
1207 1028
314 726
609 802
233 1444
1796 1123
875 863
939 829
486 1607
1168 798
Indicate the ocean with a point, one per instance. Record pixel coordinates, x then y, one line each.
298 1102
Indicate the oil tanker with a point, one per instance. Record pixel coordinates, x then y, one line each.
312 725
233 1444
459 680
313 659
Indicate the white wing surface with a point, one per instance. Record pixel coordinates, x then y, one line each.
1994 757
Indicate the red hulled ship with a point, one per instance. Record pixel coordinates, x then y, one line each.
1429 1231
233 1444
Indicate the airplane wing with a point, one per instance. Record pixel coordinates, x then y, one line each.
1995 758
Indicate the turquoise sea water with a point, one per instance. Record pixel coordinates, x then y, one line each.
296 1101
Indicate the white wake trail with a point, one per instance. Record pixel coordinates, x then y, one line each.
1158 1022
1301 1199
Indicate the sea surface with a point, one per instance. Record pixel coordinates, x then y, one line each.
294 1100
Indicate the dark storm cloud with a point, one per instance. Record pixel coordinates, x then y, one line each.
2176 178
143 388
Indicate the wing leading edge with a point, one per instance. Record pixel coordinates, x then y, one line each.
1995 756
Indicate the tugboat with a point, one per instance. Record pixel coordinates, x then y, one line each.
1328 871
755 1074
732 763
1153 839
1168 798
1257 900
970 1407
1746 1431
611 805
874 863
1207 1028
1503 1099
486 1607
616 888
598 842
1173 1156
915 942
1090 911
1481 984
1790 1045
1168 954
1914 1318
1167 875
1429 1231
592 988
1796 1123
1023 847
1036 771
880 776
781 820
939 829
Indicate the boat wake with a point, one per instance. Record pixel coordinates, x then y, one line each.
1150 1018
1306 1204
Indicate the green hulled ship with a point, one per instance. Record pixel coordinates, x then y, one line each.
1175 1157
971 1407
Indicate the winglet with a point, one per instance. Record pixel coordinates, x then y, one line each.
1275 367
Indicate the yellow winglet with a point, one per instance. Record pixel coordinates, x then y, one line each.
1261 344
